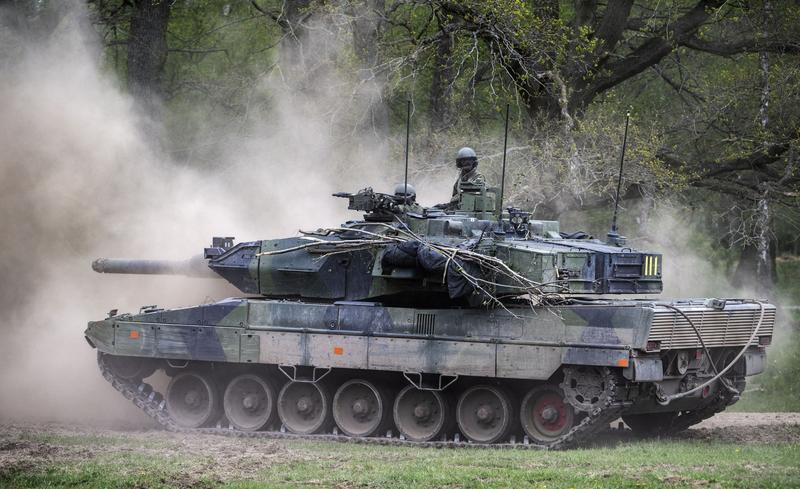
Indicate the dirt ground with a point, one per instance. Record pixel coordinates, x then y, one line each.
748 428
29 445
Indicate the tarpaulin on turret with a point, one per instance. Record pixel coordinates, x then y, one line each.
415 254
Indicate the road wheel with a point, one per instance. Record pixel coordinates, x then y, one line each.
360 408
192 399
484 414
545 414
420 415
304 407
249 402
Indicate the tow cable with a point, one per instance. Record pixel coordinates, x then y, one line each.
664 400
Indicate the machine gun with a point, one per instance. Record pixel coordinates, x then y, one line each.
378 207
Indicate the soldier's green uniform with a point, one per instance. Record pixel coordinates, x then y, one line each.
467 163
471 178
407 200
411 207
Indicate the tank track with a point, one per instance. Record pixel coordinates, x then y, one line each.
153 405
721 401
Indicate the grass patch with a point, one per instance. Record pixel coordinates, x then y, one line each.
332 465
641 464
129 470
71 440
672 464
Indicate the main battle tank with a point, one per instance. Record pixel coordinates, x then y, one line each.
434 327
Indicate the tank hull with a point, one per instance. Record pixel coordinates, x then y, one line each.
576 361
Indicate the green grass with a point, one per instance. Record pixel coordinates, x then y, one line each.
638 465
118 471
333 465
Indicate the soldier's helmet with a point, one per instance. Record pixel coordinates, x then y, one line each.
408 191
466 158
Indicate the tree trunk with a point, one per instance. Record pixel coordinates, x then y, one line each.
756 268
147 53
764 259
765 273
441 83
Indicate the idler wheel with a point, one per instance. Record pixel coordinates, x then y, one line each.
484 414
545 414
420 415
304 407
360 408
249 402
192 399
129 368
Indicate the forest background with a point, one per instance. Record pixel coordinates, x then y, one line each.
712 87
316 90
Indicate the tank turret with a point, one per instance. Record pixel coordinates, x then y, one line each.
400 252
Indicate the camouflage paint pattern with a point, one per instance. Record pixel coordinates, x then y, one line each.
463 342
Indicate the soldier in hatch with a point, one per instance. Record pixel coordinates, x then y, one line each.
406 199
468 178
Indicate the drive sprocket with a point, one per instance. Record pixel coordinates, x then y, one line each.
586 388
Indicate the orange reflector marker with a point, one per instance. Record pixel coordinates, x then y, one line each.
134 334
622 362
338 350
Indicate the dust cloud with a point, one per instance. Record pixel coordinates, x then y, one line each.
80 180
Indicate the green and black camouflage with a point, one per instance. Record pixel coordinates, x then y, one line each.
430 325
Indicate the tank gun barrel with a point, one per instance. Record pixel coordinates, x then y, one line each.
193 267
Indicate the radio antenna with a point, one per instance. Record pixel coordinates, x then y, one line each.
503 174
408 128
613 235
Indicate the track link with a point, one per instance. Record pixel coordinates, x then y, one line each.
152 403
721 401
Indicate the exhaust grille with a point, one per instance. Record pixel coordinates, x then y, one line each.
718 328
426 324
